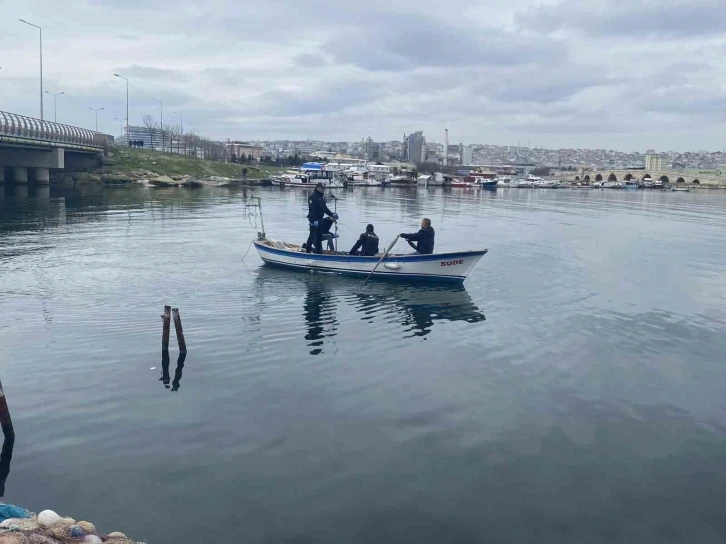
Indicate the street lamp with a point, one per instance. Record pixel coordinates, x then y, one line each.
55 106
128 135
161 123
182 128
41 63
121 124
96 111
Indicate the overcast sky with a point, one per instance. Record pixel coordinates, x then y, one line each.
616 74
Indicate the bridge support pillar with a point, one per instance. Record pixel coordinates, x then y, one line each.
20 174
42 176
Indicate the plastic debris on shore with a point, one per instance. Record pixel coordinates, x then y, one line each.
50 528
8 511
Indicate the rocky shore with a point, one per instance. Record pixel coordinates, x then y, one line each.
50 528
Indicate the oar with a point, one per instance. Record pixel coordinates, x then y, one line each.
381 260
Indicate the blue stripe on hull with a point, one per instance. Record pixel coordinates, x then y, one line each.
398 276
356 259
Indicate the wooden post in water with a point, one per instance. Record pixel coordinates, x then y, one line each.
179 331
166 318
5 421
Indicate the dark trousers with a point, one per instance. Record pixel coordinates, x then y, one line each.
315 238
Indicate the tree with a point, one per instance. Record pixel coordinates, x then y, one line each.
150 123
233 158
541 171
249 157
174 131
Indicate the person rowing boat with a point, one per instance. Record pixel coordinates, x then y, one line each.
424 237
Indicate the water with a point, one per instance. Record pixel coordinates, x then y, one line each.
573 391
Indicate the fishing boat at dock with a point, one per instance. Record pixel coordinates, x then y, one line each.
451 267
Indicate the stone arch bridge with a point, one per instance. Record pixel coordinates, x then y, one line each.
710 178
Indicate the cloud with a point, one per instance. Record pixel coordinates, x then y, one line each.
570 73
418 41
634 19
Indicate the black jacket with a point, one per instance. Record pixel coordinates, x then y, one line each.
317 208
368 241
327 225
425 239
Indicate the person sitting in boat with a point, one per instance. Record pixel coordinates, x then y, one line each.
317 210
367 243
424 237
328 236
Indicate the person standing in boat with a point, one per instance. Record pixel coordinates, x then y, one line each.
317 210
367 243
424 237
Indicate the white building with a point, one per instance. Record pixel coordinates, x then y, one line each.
653 162
466 154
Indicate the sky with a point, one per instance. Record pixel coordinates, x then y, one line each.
628 75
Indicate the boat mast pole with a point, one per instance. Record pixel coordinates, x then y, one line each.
335 209
262 219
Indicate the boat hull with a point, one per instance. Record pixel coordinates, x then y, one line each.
436 268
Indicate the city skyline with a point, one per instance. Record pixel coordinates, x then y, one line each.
560 74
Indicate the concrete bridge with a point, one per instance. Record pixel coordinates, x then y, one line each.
708 178
31 148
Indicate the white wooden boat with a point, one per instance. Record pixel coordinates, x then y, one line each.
291 179
436 268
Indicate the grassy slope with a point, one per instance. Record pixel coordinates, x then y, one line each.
125 160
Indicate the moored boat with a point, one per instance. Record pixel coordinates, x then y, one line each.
546 184
451 267
295 179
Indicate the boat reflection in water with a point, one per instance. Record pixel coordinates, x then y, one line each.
329 300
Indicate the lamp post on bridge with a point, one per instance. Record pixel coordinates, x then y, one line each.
96 112
128 135
41 63
181 117
55 106
161 122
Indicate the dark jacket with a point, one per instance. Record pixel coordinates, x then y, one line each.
367 243
327 225
317 208
425 239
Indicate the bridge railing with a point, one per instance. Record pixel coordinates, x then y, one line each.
20 126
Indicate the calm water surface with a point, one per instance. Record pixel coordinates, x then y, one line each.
573 391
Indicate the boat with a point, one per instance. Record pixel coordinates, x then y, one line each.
296 179
451 267
504 182
648 185
546 184
458 183
680 189
484 183
525 184
658 184
631 185
402 181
